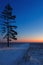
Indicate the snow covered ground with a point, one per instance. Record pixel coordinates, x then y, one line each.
22 54
11 55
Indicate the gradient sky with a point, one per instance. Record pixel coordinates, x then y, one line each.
29 19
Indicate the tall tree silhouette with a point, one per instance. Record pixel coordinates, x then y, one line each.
8 29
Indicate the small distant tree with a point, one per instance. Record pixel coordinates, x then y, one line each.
8 28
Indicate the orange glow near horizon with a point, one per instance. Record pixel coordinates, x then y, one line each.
29 40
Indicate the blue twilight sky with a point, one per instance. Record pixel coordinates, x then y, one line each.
29 18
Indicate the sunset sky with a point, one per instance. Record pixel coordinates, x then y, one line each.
29 19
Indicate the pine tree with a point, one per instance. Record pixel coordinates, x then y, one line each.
8 29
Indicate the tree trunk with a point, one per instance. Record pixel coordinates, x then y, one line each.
8 34
8 41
